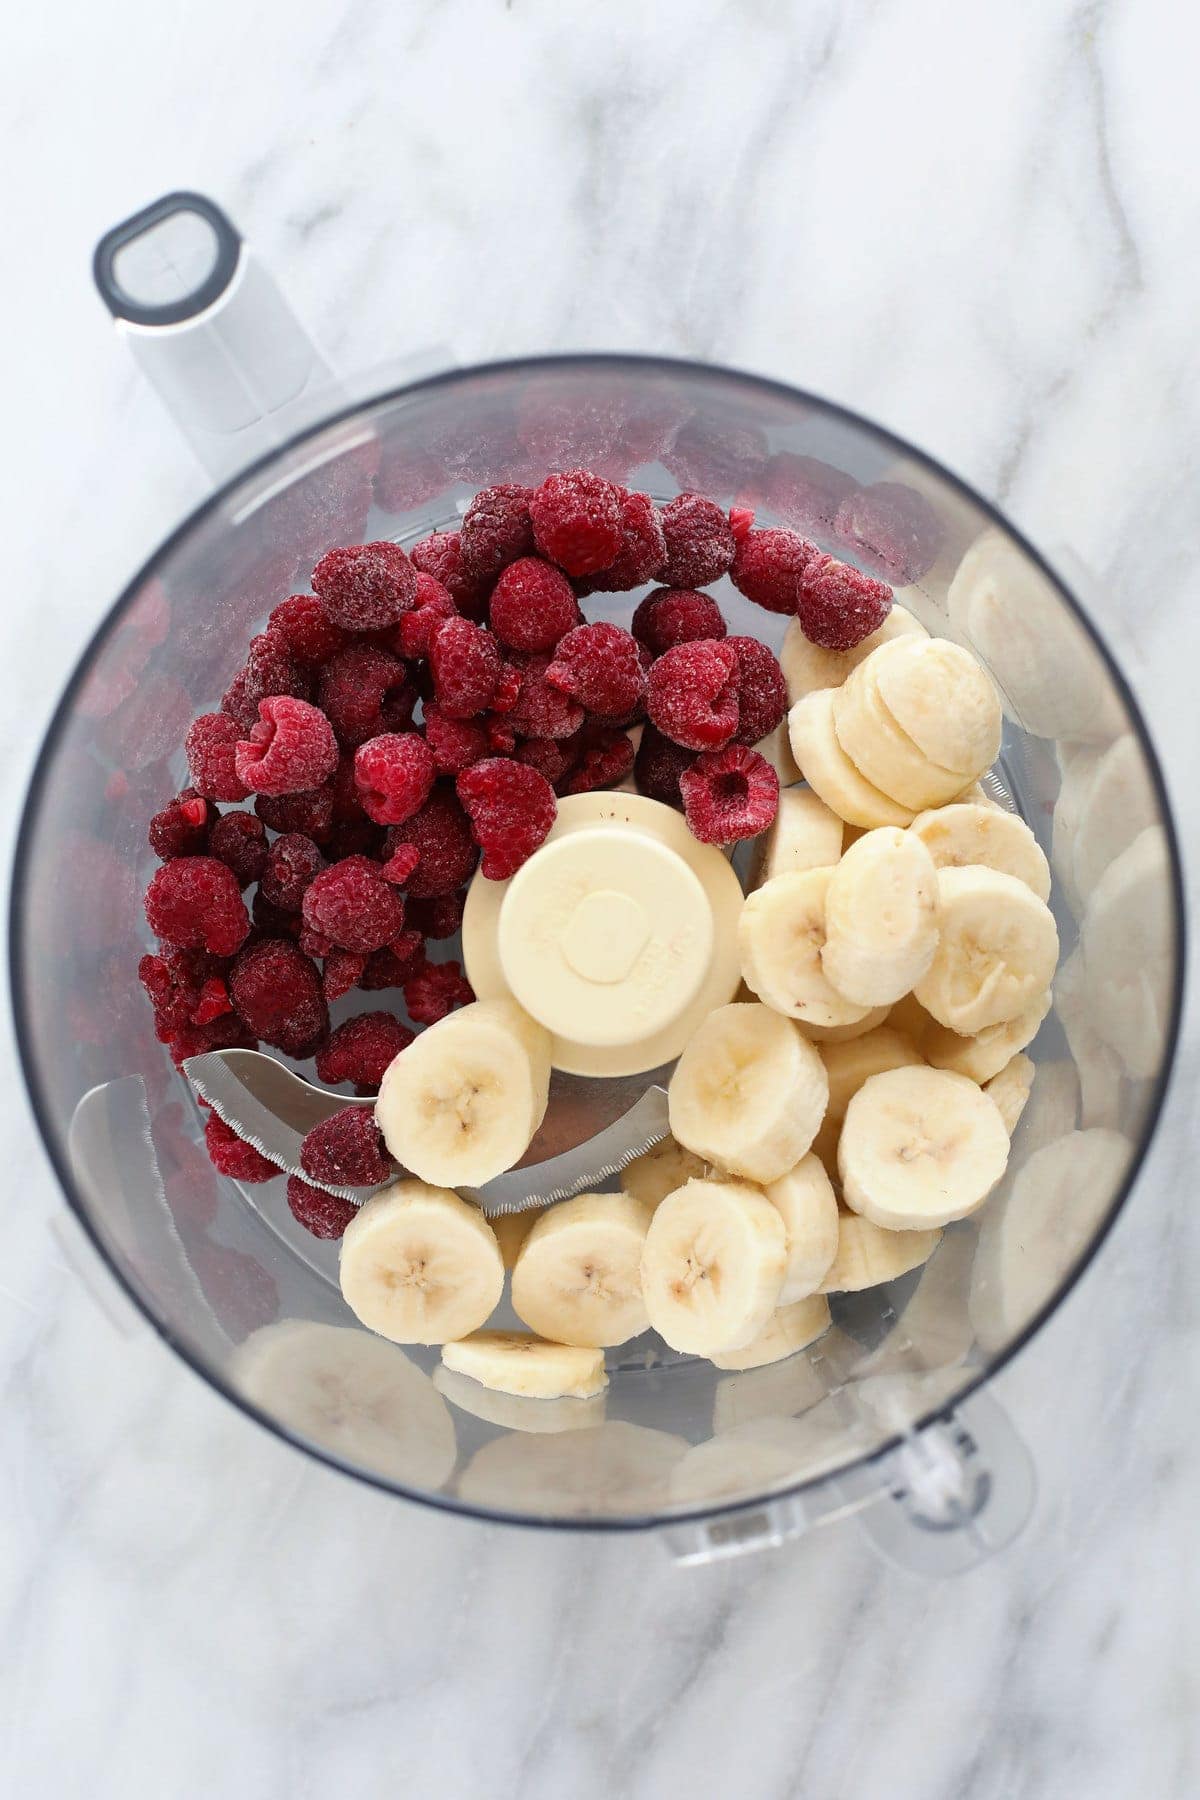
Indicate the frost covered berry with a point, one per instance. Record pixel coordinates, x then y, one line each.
276 990
194 903
768 567
511 808
290 749
839 605
346 1149
576 519
352 906
729 795
699 542
691 694
365 587
533 605
394 774
600 667
671 616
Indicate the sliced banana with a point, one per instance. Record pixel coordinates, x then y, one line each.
514 1362
511 1230
748 1093
881 751
516 1412
611 1470
943 702
807 666
969 833
843 1034
1011 1088
791 1327
807 1204
1097 1066
660 1170
463 1102
977 795
881 924
848 1065
776 748
806 834
713 1266
578 1277
988 1051
781 940
827 768
420 1266
920 1148
1128 953
997 949
867 1256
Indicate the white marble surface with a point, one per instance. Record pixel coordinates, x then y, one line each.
978 224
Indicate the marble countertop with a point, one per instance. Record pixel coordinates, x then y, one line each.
976 224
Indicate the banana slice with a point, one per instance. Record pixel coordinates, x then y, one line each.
987 1052
660 1171
511 1230
807 1205
514 1362
963 833
420 1266
830 772
881 927
609 1470
806 834
776 748
1127 944
358 1398
943 702
877 746
1097 1068
919 1148
578 1278
463 1102
848 1065
807 666
748 1093
868 1256
1011 1088
781 939
977 795
713 1266
843 1034
516 1412
791 1327
997 949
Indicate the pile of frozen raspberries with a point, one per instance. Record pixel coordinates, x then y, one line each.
369 817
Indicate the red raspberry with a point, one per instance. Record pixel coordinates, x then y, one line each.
346 1149
441 832
729 794
508 692
435 989
532 605
762 692
643 548
324 1215
214 1001
414 634
454 744
211 751
310 813
394 775
576 520
310 635
495 530
741 521
270 668
181 828
806 491
440 555
438 918
541 710
364 692
657 766
671 616
893 529
194 903
466 666
839 605
512 808
700 542
714 456
548 757
232 1155
271 921
239 840
341 971
225 1033
178 986
290 750
600 667
276 990
606 762
391 966
768 567
361 1049
691 694
293 863
400 865
353 906
364 587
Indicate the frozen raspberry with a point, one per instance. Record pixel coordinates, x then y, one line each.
214 1001
239 840
394 774
700 542
179 986
466 665
508 692
364 692
364 587
324 1215
643 548
310 812
454 744
691 694
293 863
291 749
224 1033
270 668
211 748
741 522
194 903
441 831
181 828
892 529
400 864
341 971
437 918
511 807
353 906
657 766
306 629
768 567
761 690
532 605
715 456
806 491
729 794
495 530
606 762
391 966
671 616
232 1155
271 921
440 555
414 634
542 711
599 667
435 989
276 990
550 758
346 1149
839 605
361 1049
577 520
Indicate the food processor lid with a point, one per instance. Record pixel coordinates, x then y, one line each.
167 263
